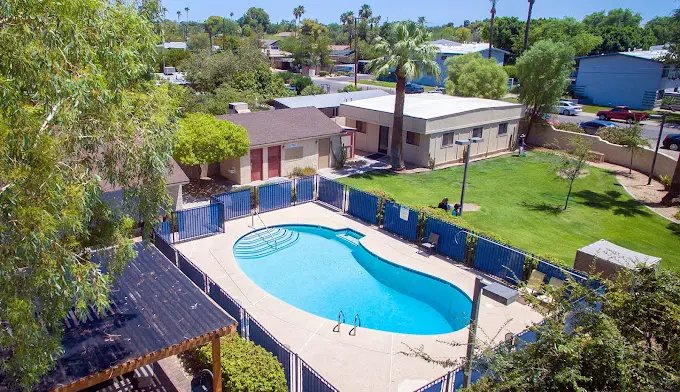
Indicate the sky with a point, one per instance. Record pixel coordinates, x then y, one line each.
436 12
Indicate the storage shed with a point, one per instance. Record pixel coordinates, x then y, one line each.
608 259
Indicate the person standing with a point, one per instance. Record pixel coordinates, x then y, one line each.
521 144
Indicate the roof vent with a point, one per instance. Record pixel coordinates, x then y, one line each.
238 107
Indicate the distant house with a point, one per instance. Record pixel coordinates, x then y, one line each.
269 44
284 34
278 58
342 56
432 124
174 45
281 140
637 79
328 104
447 48
337 47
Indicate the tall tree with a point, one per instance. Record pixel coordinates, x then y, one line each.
298 12
406 52
72 119
179 13
526 28
365 12
493 16
421 20
471 75
574 163
544 71
347 19
186 28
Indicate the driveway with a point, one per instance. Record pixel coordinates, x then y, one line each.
650 129
338 82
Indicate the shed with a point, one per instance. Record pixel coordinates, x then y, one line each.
607 258
156 311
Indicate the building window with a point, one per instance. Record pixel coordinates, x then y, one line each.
448 139
361 127
412 138
502 129
293 153
666 71
444 57
477 132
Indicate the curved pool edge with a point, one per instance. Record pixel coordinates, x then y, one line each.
371 252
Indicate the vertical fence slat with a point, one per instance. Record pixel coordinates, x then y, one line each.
394 223
199 221
452 239
363 205
236 204
312 381
331 192
191 271
304 189
275 196
499 260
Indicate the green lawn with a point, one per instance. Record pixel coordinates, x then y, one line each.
521 200
388 84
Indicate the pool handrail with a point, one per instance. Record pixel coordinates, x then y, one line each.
353 331
268 230
337 326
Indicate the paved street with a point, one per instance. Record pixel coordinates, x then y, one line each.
338 82
650 129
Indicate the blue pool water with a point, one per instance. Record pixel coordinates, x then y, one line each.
324 271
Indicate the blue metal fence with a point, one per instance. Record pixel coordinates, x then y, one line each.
437 385
275 196
227 303
331 192
199 221
311 380
551 270
258 335
501 261
164 229
363 205
304 189
190 270
394 222
164 246
236 204
452 239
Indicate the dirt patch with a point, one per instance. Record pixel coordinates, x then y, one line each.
563 173
471 207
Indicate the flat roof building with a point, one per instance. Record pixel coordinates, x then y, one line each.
327 103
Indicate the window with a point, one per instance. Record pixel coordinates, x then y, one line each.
293 153
477 132
444 57
448 139
502 129
666 71
361 127
412 138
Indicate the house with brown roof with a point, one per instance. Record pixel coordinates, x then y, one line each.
282 140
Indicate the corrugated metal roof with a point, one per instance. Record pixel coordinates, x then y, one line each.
175 45
328 100
651 55
450 47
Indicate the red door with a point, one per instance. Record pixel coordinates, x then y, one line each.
256 164
274 161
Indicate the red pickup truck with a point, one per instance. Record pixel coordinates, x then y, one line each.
622 113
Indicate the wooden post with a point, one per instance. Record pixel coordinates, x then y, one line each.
216 365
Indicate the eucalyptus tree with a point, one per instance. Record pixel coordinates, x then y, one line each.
406 52
73 118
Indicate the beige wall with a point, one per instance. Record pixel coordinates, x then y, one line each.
175 192
227 165
618 155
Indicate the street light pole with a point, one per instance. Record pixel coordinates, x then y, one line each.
356 52
656 151
472 335
468 143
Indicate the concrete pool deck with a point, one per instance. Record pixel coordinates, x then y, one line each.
372 360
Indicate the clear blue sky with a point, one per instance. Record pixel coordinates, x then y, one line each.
436 12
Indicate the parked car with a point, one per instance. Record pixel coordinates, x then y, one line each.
412 88
622 113
591 127
437 90
567 108
672 141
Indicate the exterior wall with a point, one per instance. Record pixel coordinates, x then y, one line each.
619 80
176 194
618 155
492 143
380 118
310 156
227 165
429 80
476 119
672 81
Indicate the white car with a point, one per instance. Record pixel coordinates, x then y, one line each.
567 108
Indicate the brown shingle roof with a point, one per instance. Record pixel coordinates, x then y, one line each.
174 176
284 125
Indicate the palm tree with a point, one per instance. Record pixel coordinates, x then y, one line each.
297 12
493 16
179 13
526 29
365 12
406 52
186 33
375 22
231 14
421 20
347 18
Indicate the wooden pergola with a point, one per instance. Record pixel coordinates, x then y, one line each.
156 312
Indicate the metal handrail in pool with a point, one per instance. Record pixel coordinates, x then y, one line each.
268 230
353 331
337 327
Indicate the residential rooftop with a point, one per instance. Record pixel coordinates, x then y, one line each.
655 53
284 125
174 45
430 106
328 100
451 47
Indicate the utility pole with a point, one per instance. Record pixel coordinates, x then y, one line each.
356 52
656 151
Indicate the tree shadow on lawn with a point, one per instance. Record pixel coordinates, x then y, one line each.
674 228
611 200
543 207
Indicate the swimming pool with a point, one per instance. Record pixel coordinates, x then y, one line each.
325 271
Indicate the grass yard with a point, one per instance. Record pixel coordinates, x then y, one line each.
521 201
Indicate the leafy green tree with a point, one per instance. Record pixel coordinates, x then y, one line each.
620 30
462 34
79 109
471 75
567 30
300 82
616 17
662 27
198 41
256 18
204 139
347 20
574 163
312 89
544 71
405 51
171 58
507 33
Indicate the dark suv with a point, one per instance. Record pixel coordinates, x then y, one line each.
672 141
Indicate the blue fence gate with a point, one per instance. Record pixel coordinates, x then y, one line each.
331 192
275 196
363 205
236 204
304 189
401 220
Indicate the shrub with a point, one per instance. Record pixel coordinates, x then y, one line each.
570 127
665 181
287 76
323 73
300 82
677 215
349 88
303 171
313 89
611 134
246 367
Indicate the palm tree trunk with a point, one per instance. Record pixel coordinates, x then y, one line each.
397 159
630 167
526 29
674 190
493 16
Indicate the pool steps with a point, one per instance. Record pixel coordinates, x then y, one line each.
348 238
263 243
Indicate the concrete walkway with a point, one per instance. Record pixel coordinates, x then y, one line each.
372 360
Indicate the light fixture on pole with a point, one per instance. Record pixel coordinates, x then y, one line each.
658 142
466 142
492 291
